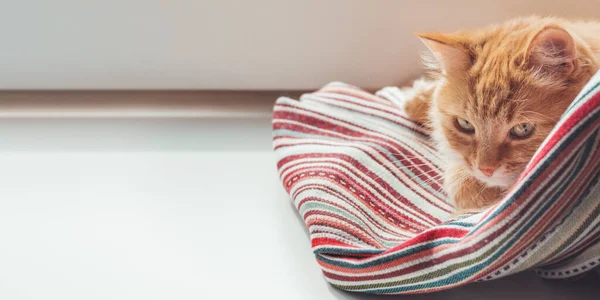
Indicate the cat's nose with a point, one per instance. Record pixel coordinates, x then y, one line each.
487 171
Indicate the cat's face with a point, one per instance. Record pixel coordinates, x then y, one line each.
501 93
494 136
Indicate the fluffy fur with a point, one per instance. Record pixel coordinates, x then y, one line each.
525 71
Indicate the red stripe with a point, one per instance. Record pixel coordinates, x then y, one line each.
299 115
381 186
581 246
324 219
366 217
329 241
370 197
569 123
322 200
426 174
396 113
552 216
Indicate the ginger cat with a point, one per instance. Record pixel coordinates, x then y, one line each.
494 96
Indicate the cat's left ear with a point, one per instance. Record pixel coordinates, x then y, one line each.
553 51
450 54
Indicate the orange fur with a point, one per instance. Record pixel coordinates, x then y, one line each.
525 71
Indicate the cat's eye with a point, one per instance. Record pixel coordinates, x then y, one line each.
521 131
464 125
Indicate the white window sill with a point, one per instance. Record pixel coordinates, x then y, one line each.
169 206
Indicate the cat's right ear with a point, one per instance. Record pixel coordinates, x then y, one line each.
553 51
449 52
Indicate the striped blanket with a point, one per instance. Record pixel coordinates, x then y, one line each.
365 179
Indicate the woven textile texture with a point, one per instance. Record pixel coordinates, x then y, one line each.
366 181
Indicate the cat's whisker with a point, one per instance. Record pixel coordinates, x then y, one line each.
403 160
431 165
404 155
415 169
539 114
413 165
423 173
373 172
480 191
435 178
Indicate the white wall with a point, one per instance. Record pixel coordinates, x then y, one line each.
244 44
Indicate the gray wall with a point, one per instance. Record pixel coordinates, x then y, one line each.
259 44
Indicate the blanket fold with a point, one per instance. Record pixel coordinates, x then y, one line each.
367 182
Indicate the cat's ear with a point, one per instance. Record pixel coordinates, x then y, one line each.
552 51
449 52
